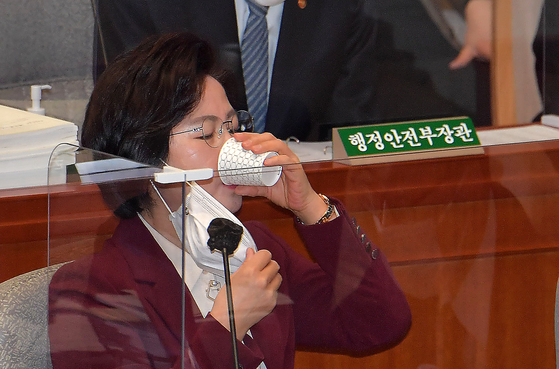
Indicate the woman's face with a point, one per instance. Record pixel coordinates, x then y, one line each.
190 151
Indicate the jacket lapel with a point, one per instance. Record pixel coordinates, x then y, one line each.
157 279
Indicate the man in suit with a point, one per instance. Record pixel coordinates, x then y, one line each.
321 70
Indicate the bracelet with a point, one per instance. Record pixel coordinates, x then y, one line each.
328 212
324 218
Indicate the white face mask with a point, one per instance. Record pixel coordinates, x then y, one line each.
268 2
202 209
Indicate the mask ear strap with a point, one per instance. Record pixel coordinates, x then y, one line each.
161 197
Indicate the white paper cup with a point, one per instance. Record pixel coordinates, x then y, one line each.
237 166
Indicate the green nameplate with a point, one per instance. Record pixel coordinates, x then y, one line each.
406 141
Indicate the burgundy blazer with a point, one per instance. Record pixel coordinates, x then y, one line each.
122 306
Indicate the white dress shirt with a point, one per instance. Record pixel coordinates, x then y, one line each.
196 279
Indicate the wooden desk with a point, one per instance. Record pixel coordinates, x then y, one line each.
473 241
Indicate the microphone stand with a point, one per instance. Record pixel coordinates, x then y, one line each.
225 254
225 237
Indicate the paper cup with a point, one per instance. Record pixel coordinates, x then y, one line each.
237 166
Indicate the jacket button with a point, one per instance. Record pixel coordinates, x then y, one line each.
374 254
368 246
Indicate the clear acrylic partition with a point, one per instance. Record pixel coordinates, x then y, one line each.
91 316
472 241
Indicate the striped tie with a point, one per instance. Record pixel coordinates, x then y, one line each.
254 54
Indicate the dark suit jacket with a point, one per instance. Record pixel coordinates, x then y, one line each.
323 72
122 306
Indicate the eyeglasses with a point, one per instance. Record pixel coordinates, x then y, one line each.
212 130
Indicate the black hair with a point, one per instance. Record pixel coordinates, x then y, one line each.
142 96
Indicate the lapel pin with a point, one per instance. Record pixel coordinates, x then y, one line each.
302 4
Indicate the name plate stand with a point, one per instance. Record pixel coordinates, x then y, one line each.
412 140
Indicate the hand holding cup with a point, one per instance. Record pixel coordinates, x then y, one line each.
293 191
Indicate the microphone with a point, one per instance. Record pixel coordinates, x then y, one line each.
225 237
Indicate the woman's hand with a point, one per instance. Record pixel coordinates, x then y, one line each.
254 287
293 190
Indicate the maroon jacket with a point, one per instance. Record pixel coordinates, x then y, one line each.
122 307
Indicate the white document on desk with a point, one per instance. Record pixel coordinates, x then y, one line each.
531 133
311 151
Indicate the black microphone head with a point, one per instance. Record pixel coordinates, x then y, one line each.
224 234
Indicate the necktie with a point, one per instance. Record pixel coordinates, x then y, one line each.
254 55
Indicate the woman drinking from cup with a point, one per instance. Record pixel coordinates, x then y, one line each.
163 104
